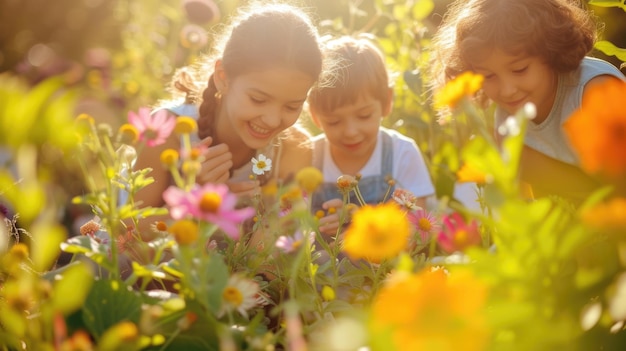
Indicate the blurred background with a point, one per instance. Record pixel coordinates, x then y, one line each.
122 53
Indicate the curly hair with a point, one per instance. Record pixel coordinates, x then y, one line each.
561 32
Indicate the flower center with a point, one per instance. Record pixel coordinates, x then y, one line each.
296 244
150 134
424 224
210 202
233 296
261 164
460 237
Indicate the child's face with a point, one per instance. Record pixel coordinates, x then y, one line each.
513 80
352 129
261 104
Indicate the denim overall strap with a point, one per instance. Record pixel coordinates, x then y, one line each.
373 188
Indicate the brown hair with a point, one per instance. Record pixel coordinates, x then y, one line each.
361 69
561 32
262 36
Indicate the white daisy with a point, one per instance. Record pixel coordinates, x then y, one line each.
261 165
240 294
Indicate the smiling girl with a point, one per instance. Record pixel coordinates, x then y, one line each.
246 96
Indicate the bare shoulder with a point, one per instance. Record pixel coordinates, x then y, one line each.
296 153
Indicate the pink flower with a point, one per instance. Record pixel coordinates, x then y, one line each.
210 202
289 243
425 223
155 128
457 234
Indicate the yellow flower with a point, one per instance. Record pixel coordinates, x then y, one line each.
184 231
432 310
465 85
606 216
128 133
185 125
328 294
467 174
377 232
597 130
19 251
270 188
309 178
169 158
85 124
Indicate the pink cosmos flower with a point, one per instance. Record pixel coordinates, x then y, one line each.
288 243
210 202
155 128
457 234
425 223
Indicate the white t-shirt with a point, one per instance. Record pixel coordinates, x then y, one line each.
409 169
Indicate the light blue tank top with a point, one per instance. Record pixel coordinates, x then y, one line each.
548 137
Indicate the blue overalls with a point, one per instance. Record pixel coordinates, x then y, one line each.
373 188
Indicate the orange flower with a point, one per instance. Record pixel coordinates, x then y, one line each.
432 310
377 232
465 85
597 130
606 216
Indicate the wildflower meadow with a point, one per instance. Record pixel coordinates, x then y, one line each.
79 270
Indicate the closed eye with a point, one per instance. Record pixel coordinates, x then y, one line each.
257 100
293 108
521 70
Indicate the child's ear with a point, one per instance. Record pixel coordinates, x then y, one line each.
219 77
389 105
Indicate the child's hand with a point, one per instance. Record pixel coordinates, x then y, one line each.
217 163
245 188
329 224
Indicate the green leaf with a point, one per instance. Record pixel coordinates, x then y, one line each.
108 303
89 247
71 288
45 247
608 3
422 9
608 48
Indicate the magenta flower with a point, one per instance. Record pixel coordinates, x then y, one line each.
212 203
425 223
153 129
457 234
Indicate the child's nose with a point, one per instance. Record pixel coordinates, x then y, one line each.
351 128
272 118
507 87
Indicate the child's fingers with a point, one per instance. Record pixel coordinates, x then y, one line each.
216 166
328 225
245 188
335 203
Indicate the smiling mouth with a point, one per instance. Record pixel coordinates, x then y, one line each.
258 131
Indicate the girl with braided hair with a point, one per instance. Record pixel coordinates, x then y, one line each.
247 96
